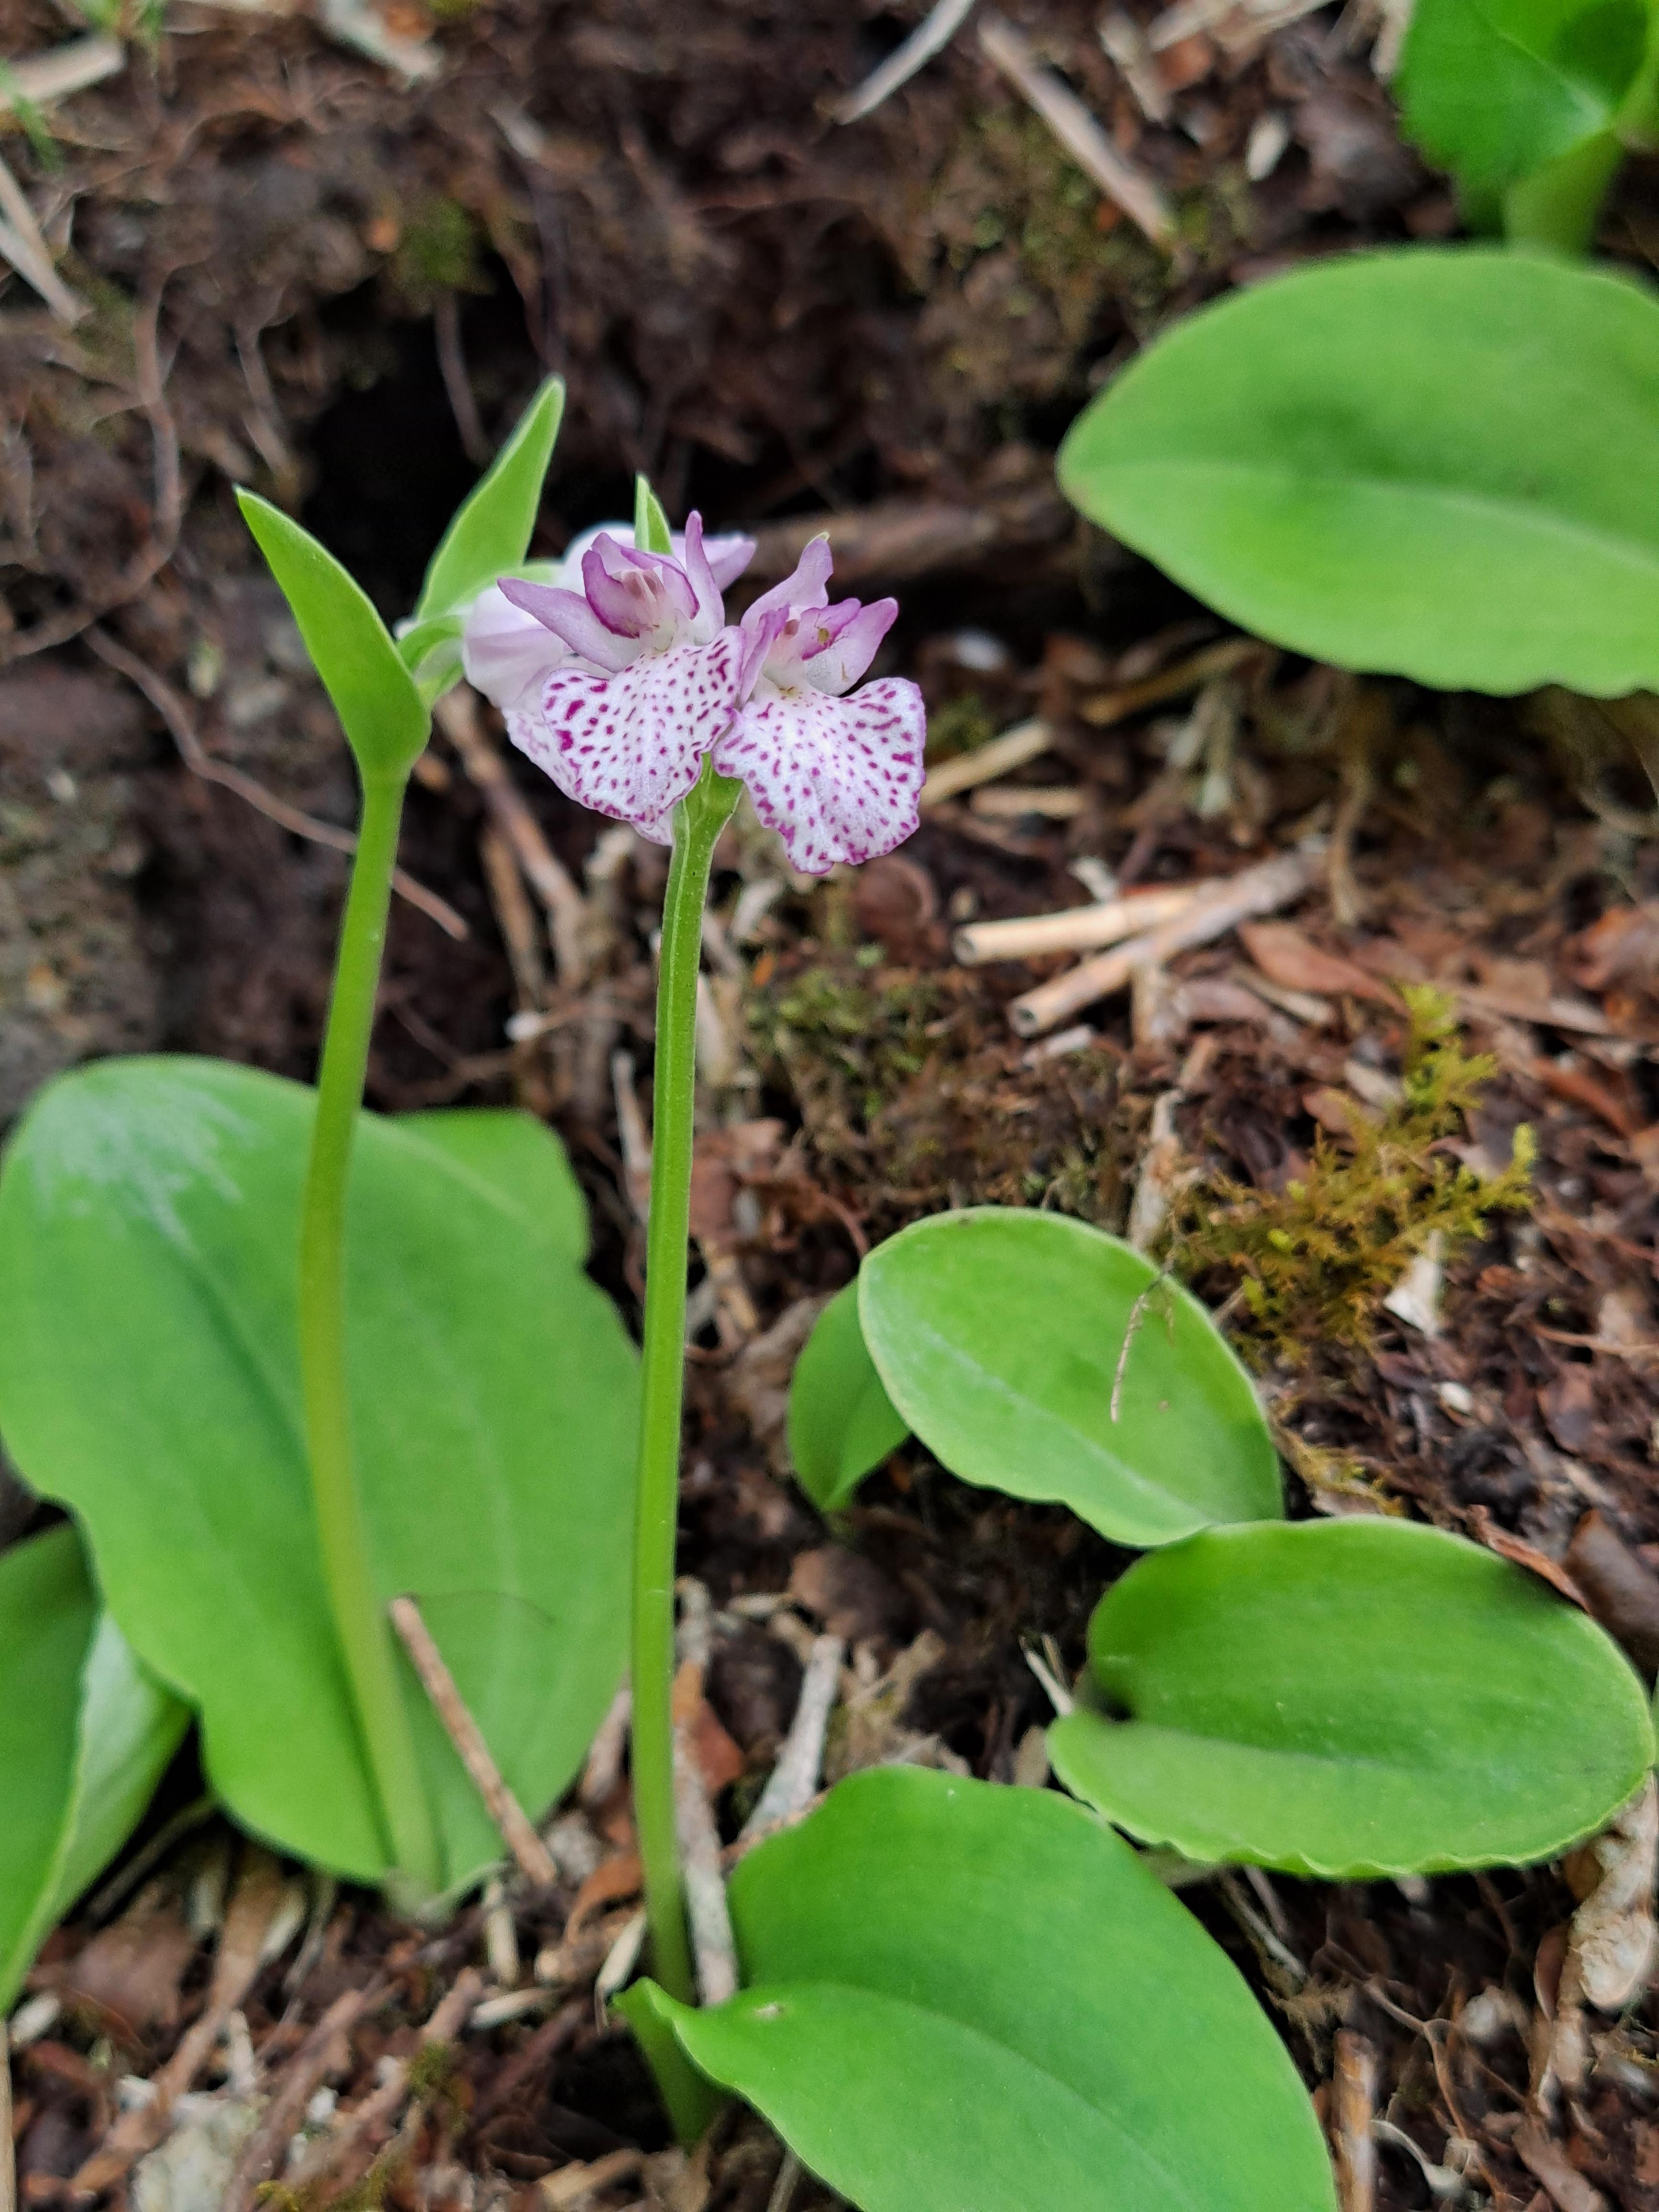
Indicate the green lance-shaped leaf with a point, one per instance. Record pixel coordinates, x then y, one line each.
1495 90
962 1995
1441 464
1352 1698
85 1735
490 533
150 1378
1000 1337
374 695
841 1421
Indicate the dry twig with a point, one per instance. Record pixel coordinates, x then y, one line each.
931 36
712 1940
1257 891
22 244
533 1858
794 1780
40 79
258 1896
1129 187
1073 929
1024 742
284 2114
380 2108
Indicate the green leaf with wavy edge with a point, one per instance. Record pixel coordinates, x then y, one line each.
841 1421
1495 90
999 1335
380 709
964 1995
490 533
85 1735
1441 463
1352 1698
150 1378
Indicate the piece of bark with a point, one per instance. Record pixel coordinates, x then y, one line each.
1354 2152
1285 957
1620 1590
1610 1946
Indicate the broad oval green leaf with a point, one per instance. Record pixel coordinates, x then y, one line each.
520 1161
1352 1698
1495 90
85 1735
963 1995
1442 463
148 1377
841 1421
998 1336
489 533
380 709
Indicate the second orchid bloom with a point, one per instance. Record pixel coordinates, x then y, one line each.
622 691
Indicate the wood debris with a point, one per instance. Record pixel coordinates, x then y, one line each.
1258 890
1129 187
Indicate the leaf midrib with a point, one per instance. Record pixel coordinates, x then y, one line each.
1540 519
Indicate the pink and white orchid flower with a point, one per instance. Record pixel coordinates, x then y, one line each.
637 680
650 676
504 649
838 778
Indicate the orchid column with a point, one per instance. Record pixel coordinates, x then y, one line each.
640 701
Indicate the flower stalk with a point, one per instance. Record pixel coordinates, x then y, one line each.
698 822
359 1620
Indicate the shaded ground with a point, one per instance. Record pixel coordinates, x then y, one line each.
302 275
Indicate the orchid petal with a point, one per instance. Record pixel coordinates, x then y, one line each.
570 564
641 593
806 588
632 745
849 646
759 638
569 617
837 779
710 610
504 649
729 553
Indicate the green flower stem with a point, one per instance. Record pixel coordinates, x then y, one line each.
697 823
1558 206
360 1619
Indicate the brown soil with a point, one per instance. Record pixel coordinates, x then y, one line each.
283 252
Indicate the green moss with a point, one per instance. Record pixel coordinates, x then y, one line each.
960 725
438 252
849 1035
1314 1262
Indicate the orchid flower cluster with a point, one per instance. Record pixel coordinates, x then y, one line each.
622 691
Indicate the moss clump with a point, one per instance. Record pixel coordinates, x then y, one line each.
961 725
437 252
1314 1261
850 1035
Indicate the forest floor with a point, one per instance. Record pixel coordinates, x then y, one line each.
338 276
